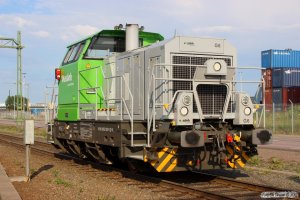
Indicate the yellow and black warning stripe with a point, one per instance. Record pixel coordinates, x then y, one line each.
166 160
240 159
106 109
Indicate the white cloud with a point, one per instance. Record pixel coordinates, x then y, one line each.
289 26
213 29
21 22
66 37
41 34
76 32
181 9
274 28
84 30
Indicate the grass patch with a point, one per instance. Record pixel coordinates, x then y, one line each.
55 173
9 128
276 164
255 161
13 129
273 163
282 120
60 181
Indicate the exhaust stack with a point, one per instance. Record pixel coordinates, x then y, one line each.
132 36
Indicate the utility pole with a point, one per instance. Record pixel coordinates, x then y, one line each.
16 44
20 106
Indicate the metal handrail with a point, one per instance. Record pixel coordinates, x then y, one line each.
130 116
149 116
95 88
130 113
166 79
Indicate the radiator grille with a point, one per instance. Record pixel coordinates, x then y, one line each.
197 60
212 98
186 71
202 60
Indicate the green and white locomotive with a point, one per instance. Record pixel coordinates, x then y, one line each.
126 95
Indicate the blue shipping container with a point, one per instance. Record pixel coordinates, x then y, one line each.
280 58
285 77
37 111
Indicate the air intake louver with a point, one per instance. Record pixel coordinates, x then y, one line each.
212 98
186 71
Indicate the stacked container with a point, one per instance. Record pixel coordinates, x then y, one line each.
282 76
267 76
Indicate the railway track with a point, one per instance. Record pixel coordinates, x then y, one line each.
225 187
184 186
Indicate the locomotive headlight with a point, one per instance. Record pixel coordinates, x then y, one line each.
245 100
186 100
184 111
247 111
217 66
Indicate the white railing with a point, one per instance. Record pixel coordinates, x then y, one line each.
106 100
167 78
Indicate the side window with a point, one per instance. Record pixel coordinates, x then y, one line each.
79 51
72 56
73 53
101 46
68 55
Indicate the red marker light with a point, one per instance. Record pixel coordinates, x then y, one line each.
57 74
229 138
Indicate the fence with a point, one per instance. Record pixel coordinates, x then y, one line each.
280 118
4 114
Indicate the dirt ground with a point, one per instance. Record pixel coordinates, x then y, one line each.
54 179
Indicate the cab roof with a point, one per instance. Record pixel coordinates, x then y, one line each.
121 33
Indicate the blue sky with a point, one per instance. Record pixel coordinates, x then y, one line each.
49 26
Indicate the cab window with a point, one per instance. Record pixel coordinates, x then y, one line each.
101 46
73 53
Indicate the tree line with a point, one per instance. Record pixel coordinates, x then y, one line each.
17 102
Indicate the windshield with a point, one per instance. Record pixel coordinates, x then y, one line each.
101 46
73 53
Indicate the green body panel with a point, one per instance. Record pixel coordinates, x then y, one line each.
68 96
68 112
91 78
79 76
